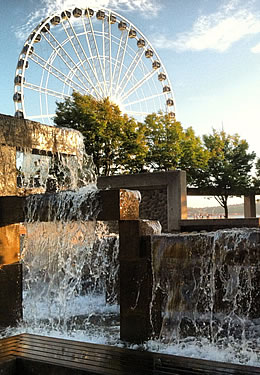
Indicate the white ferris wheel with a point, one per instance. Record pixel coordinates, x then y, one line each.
94 52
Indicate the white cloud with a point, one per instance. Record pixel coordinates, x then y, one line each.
161 41
48 7
256 48
217 31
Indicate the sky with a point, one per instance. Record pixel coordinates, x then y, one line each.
211 50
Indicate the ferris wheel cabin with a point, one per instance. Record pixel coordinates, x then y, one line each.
100 15
55 20
122 25
89 12
132 33
112 19
65 15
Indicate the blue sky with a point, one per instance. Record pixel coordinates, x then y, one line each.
211 50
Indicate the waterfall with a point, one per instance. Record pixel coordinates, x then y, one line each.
209 288
70 262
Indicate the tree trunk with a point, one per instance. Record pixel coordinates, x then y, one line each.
226 210
222 200
225 205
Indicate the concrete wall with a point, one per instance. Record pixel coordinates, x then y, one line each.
26 136
163 195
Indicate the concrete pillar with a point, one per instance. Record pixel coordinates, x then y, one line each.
174 182
136 284
176 199
10 276
249 206
9 244
10 294
8 184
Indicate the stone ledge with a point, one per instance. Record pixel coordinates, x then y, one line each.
215 224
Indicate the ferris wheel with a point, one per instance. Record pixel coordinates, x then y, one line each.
94 52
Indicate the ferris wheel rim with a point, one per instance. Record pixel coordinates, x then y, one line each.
108 12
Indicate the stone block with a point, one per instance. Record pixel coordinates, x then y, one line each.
136 283
29 135
135 299
215 224
10 295
11 210
8 184
118 204
9 244
163 195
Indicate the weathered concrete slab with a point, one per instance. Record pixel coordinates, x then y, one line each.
8 184
163 195
10 294
11 210
215 224
29 135
116 204
136 282
9 243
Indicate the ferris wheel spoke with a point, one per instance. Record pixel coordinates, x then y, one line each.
95 46
138 113
45 90
80 51
122 58
75 43
104 38
44 64
105 42
138 84
108 53
146 99
92 68
59 50
130 71
104 49
119 56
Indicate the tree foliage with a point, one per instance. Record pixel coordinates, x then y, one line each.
163 137
194 158
171 147
111 138
256 179
229 165
119 144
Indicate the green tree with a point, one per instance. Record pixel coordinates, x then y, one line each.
133 149
256 179
163 138
113 139
171 147
229 165
194 157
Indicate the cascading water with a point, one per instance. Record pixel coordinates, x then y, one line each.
209 286
66 270
69 261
